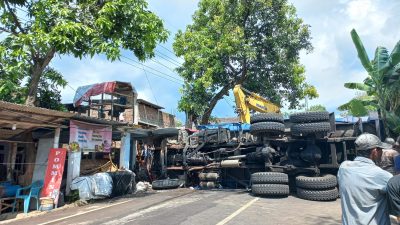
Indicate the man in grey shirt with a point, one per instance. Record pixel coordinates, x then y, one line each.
362 185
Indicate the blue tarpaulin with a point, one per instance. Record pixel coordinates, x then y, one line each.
229 126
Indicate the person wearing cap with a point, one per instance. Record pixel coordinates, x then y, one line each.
387 161
362 184
393 188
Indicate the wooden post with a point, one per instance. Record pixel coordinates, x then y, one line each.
134 154
112 107
163 156
57 132
378 128
12 155
100 115
135 109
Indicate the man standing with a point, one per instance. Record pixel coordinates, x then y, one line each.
387 161
362 185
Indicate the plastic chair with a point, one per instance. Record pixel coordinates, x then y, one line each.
33 193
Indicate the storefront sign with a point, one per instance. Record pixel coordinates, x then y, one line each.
54 172
89 137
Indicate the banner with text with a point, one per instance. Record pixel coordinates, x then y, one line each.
89 137
54 172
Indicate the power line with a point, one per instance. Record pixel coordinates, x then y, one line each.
163 65
153 73
179 80
169 59
148 82
167 49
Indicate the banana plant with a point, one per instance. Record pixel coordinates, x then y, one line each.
382 84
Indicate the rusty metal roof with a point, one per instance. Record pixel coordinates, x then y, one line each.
16 118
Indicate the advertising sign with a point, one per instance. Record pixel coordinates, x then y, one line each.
54 172
89 137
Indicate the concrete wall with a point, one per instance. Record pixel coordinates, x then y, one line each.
44 146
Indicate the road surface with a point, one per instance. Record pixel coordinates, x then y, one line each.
188 207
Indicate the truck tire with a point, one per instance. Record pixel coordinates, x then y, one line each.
318 195
267 127
269 178
303 129
166 184
316 183
270 189
307 117
266 117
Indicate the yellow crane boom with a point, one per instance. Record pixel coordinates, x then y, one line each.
247 100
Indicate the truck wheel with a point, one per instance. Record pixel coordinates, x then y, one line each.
266 117
267 127
303 129
318 195
307 117
270 189
166 184
269 178
316 183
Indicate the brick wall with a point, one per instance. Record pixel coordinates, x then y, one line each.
147 114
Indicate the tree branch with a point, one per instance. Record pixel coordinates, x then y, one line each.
7 31
17 23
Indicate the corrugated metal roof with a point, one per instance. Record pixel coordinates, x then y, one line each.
35 110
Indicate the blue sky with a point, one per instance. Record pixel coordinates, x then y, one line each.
333 62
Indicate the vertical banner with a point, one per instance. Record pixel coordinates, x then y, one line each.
88 137
54 172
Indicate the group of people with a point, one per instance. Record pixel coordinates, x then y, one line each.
369 185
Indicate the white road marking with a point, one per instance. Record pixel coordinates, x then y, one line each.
167 205
81 213
237 212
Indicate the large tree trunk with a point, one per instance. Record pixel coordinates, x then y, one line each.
37 70
224 91
207 113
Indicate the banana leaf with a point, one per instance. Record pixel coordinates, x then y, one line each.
381 60
357 86
362 54
393 122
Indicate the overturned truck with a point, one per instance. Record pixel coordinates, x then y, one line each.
271 156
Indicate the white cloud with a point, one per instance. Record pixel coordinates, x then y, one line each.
333 62
334 59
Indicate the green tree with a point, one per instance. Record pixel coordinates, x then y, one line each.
38 30
255 43
381 86
317 108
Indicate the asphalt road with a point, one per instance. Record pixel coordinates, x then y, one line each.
184 206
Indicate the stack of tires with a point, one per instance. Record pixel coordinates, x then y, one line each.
307 123
270 184
208 180
267 123
317 188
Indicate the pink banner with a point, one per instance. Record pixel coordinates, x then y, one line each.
54 172
89 137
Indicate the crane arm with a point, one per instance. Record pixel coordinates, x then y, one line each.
247 100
